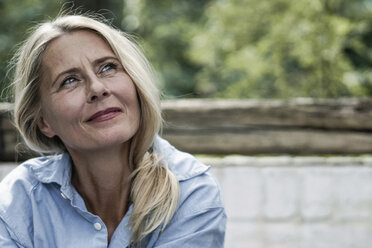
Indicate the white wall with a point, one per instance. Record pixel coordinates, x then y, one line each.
296 202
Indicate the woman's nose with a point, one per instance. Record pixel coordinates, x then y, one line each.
97 90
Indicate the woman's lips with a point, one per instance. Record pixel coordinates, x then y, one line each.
104 115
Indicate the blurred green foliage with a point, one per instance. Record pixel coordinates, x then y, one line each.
235 48
166 28
18 16
257 49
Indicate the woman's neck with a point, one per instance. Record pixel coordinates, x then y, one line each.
102 178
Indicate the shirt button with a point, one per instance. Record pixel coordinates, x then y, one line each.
97 226
63 195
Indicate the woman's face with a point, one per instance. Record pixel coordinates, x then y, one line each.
87 98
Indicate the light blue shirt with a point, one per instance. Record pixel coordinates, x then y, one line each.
40 208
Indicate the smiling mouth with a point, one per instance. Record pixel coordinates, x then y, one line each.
105 115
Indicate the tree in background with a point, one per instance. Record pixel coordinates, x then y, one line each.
358 46
254 48
112 10
166 28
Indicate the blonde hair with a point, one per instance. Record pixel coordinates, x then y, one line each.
155 190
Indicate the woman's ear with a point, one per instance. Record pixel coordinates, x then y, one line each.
45 128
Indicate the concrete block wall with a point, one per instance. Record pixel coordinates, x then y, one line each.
296 202
293 202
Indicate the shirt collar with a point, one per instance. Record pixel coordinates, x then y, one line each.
57 169
52 169
183 165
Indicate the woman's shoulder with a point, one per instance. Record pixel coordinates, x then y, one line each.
24 176
17 187
16 201
200 218
20 192
19 184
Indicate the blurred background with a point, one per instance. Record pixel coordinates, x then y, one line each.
229 48
274 95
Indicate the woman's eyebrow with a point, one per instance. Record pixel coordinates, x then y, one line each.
103 59
68 71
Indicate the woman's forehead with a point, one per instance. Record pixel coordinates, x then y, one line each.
72 50
77 43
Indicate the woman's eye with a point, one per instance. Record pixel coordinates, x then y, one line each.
108 67
69 80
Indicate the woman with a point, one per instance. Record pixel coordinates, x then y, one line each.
85 92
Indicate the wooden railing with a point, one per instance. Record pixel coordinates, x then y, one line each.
295 126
